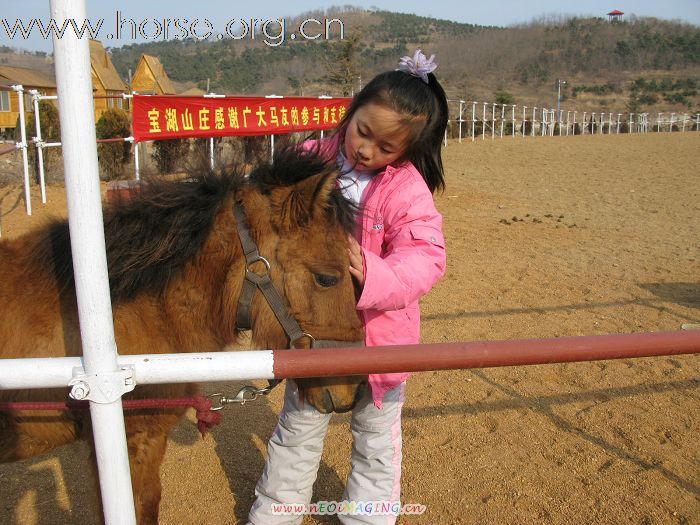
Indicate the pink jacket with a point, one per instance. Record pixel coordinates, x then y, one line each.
400 233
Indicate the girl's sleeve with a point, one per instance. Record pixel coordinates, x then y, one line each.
413 258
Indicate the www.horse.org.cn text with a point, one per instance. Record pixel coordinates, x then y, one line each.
273 32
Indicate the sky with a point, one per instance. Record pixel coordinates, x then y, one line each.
216 14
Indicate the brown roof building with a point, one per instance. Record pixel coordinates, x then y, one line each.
150 77
43 82
105 81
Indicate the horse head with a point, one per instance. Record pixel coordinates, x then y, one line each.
300 222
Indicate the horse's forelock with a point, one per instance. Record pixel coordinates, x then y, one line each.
292 165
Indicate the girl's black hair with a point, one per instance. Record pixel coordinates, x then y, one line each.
424 105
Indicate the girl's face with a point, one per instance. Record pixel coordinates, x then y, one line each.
375 137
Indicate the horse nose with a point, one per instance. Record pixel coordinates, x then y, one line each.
360 392
334 403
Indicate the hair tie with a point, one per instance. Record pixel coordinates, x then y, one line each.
418 66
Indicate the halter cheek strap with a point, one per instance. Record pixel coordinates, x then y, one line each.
254 281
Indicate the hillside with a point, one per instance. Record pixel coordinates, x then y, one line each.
641 64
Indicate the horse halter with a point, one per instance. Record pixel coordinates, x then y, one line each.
253 281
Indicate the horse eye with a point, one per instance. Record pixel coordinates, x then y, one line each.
325 280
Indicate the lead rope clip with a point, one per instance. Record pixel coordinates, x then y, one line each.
245 394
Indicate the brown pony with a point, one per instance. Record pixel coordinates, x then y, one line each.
176 270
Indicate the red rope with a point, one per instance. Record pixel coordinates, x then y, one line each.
8 149
206 418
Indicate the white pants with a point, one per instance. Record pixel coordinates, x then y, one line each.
294 454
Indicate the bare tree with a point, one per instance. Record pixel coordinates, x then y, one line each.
342 65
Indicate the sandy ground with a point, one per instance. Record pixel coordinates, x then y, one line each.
546 237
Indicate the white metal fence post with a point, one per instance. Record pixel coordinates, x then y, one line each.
545 124
473 118
74 86
211 153
552 121
39 144
592 123
137 171
493 121
23 146
460 120
503 115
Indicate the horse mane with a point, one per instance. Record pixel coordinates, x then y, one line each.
150 236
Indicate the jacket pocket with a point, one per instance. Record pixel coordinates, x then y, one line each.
427 234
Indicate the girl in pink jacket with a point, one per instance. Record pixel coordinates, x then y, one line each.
389 149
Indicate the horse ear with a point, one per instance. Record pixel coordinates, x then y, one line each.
308 198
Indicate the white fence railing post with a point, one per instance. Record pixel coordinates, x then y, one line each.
23 146
74 86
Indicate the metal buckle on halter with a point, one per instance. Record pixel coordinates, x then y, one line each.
259 258
312 340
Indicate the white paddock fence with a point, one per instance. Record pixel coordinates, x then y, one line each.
474 120
468 120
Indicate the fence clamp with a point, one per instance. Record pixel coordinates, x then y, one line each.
102 388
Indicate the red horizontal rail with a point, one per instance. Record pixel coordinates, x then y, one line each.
320 362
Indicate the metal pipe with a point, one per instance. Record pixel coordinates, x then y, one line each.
481 354
148 369
266 364
74 87
137 170
473 118
39 145
461 102
23 145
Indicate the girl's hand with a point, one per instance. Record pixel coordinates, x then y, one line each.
356 264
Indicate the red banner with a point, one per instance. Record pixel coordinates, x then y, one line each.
168 117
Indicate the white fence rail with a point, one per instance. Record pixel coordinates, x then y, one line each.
473 119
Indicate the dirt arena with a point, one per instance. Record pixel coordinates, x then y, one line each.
546 237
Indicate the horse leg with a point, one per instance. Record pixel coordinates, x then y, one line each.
27 434
147 437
